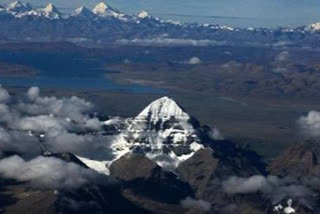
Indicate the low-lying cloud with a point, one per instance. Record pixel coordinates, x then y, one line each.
310 124
19 143
4 95
31 124
161 41
43 172
272 187
64 124
282 56
200 205
194 61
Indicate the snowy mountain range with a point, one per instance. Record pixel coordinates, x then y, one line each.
105 24
18 9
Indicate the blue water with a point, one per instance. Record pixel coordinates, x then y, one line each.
66 71
82 83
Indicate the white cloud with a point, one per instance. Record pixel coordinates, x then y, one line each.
248 185
4 95
63 121
46 172
91 146
33 93
93 124
280 70
74 108
310 124
215 134
161 41
18 142
282 56
190 203
272 187
194 61
42 123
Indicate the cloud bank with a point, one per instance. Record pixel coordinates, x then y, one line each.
194 61
310 124
64 124
272 188
161 41
43 172
190 203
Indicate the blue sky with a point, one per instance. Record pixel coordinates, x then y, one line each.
264 13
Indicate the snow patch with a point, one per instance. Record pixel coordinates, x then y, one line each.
99 166
143 15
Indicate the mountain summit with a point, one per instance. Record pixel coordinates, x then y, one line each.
143 14
19 7
105 10
160 111
84 12
50 11
163 122
163 131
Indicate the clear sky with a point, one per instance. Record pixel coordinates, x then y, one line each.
264 13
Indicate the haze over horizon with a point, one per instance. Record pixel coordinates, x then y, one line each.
247 13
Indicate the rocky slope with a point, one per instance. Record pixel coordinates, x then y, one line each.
298 160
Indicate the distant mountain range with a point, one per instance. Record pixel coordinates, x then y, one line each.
105 25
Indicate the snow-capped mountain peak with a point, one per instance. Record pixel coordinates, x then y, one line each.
102 9
313 27
164 108
2 8
15 4
19 7
143 14
162 119
163 132
85 12
162 122
50 11
105 10
50 8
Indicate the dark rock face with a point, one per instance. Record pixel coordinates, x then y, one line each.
146 184
144 177
236 160
198 170
19 198
133 166
209 167
95 199
299 160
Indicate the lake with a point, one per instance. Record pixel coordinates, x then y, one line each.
66 71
